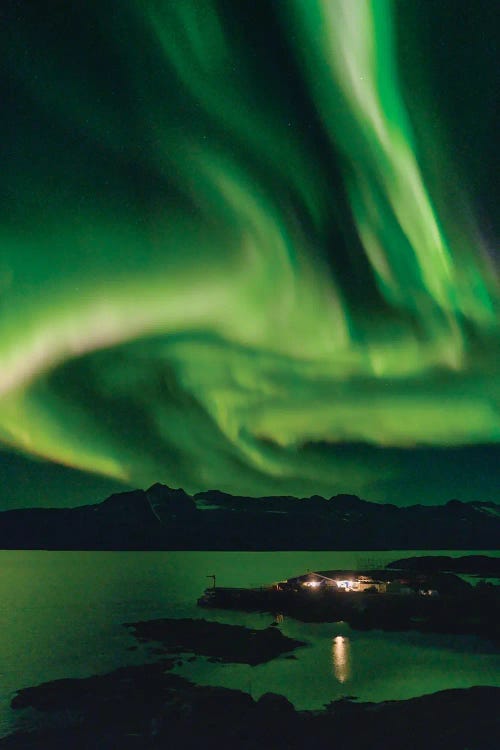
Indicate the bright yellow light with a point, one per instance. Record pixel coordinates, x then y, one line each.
312 584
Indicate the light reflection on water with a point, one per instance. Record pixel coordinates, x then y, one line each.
341 656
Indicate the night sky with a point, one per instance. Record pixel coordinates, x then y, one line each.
249 246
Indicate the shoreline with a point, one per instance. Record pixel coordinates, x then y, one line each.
149 707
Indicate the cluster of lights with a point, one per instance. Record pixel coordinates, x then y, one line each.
312 584
344 584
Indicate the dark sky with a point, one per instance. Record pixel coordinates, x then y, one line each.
249 246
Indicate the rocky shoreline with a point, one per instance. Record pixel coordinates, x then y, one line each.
148 707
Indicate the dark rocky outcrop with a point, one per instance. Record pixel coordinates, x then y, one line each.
147 707
221 642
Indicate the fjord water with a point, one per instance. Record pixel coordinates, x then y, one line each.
62 615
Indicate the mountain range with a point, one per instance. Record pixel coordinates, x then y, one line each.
162 518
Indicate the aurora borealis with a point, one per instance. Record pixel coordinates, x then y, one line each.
250 246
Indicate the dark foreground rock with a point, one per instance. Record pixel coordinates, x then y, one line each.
147 707
221 642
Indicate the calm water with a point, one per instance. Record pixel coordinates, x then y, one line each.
61 615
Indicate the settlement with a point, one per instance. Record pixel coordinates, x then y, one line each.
374 581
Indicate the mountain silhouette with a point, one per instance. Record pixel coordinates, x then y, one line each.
161 518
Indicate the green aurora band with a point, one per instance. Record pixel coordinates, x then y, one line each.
227 256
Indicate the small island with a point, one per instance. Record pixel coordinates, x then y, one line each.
218 641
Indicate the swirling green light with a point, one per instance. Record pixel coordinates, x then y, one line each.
169 306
